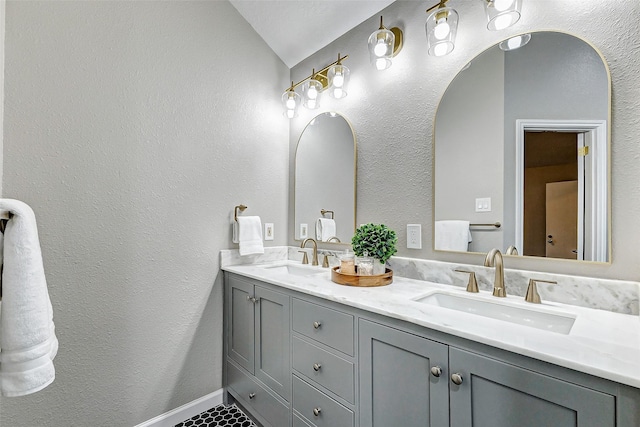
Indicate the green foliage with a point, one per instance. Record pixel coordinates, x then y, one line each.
375 240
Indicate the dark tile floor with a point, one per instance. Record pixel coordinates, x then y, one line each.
220 416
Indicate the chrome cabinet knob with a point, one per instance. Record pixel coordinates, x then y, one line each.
316 367
316 325
456 379
253 299
252 395
316 411
436 371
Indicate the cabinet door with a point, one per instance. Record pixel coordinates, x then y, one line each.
396 385
498 394
272 351
241 322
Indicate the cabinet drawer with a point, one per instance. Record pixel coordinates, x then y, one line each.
306 399
299 422
328 326
256 398
326 369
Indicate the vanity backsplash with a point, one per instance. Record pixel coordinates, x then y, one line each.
613 295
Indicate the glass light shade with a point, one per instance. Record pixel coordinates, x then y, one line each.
501 14
515 42
312 93
381 48
338 80
441 27
291 103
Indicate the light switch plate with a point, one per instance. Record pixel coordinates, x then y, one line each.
304 231
414 236
483 204
268 231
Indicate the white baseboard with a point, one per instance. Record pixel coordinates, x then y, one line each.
186 411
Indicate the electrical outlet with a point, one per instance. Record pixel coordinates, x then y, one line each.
268 231
304 231
414 236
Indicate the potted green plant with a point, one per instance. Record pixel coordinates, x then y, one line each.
377 241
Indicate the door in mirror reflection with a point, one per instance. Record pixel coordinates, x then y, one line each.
325 180
555 84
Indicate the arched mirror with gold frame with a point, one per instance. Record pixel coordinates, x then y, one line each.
521 152
325 180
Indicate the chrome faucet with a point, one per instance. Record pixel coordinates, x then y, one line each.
494 259
315 249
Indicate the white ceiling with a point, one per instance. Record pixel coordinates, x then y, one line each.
295 29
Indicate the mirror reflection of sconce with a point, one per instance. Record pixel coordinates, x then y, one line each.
384 44
442 24
334 78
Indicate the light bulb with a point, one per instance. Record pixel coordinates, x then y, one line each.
440 49
442 30
502 5
514 42
312 93
291 103
381 64
338 80
337 93
290 114
381 48
502 22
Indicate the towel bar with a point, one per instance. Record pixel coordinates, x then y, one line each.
235 211
323 212
495 224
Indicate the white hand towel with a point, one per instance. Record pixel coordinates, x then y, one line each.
250 235
452 235
28 342
325 229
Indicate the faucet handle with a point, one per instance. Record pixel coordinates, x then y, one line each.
325 260
305 258
532 295
472 285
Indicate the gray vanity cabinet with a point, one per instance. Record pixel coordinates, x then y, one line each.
258 348
397 385
497 394
296 360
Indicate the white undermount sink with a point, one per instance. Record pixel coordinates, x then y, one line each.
295 269
501 309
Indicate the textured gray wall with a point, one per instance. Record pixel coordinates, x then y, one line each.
392 113
130 132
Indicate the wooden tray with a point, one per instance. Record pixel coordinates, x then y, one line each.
363 281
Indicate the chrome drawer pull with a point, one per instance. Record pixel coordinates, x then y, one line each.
251 395
316 325
316 411
456 379
316 367
436 371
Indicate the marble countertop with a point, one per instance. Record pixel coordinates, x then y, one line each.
600 343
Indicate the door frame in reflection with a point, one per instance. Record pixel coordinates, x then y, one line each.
597 165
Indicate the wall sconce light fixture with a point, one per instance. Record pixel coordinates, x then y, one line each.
441 27
312 92
291 102
501 14
334 76
384 44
